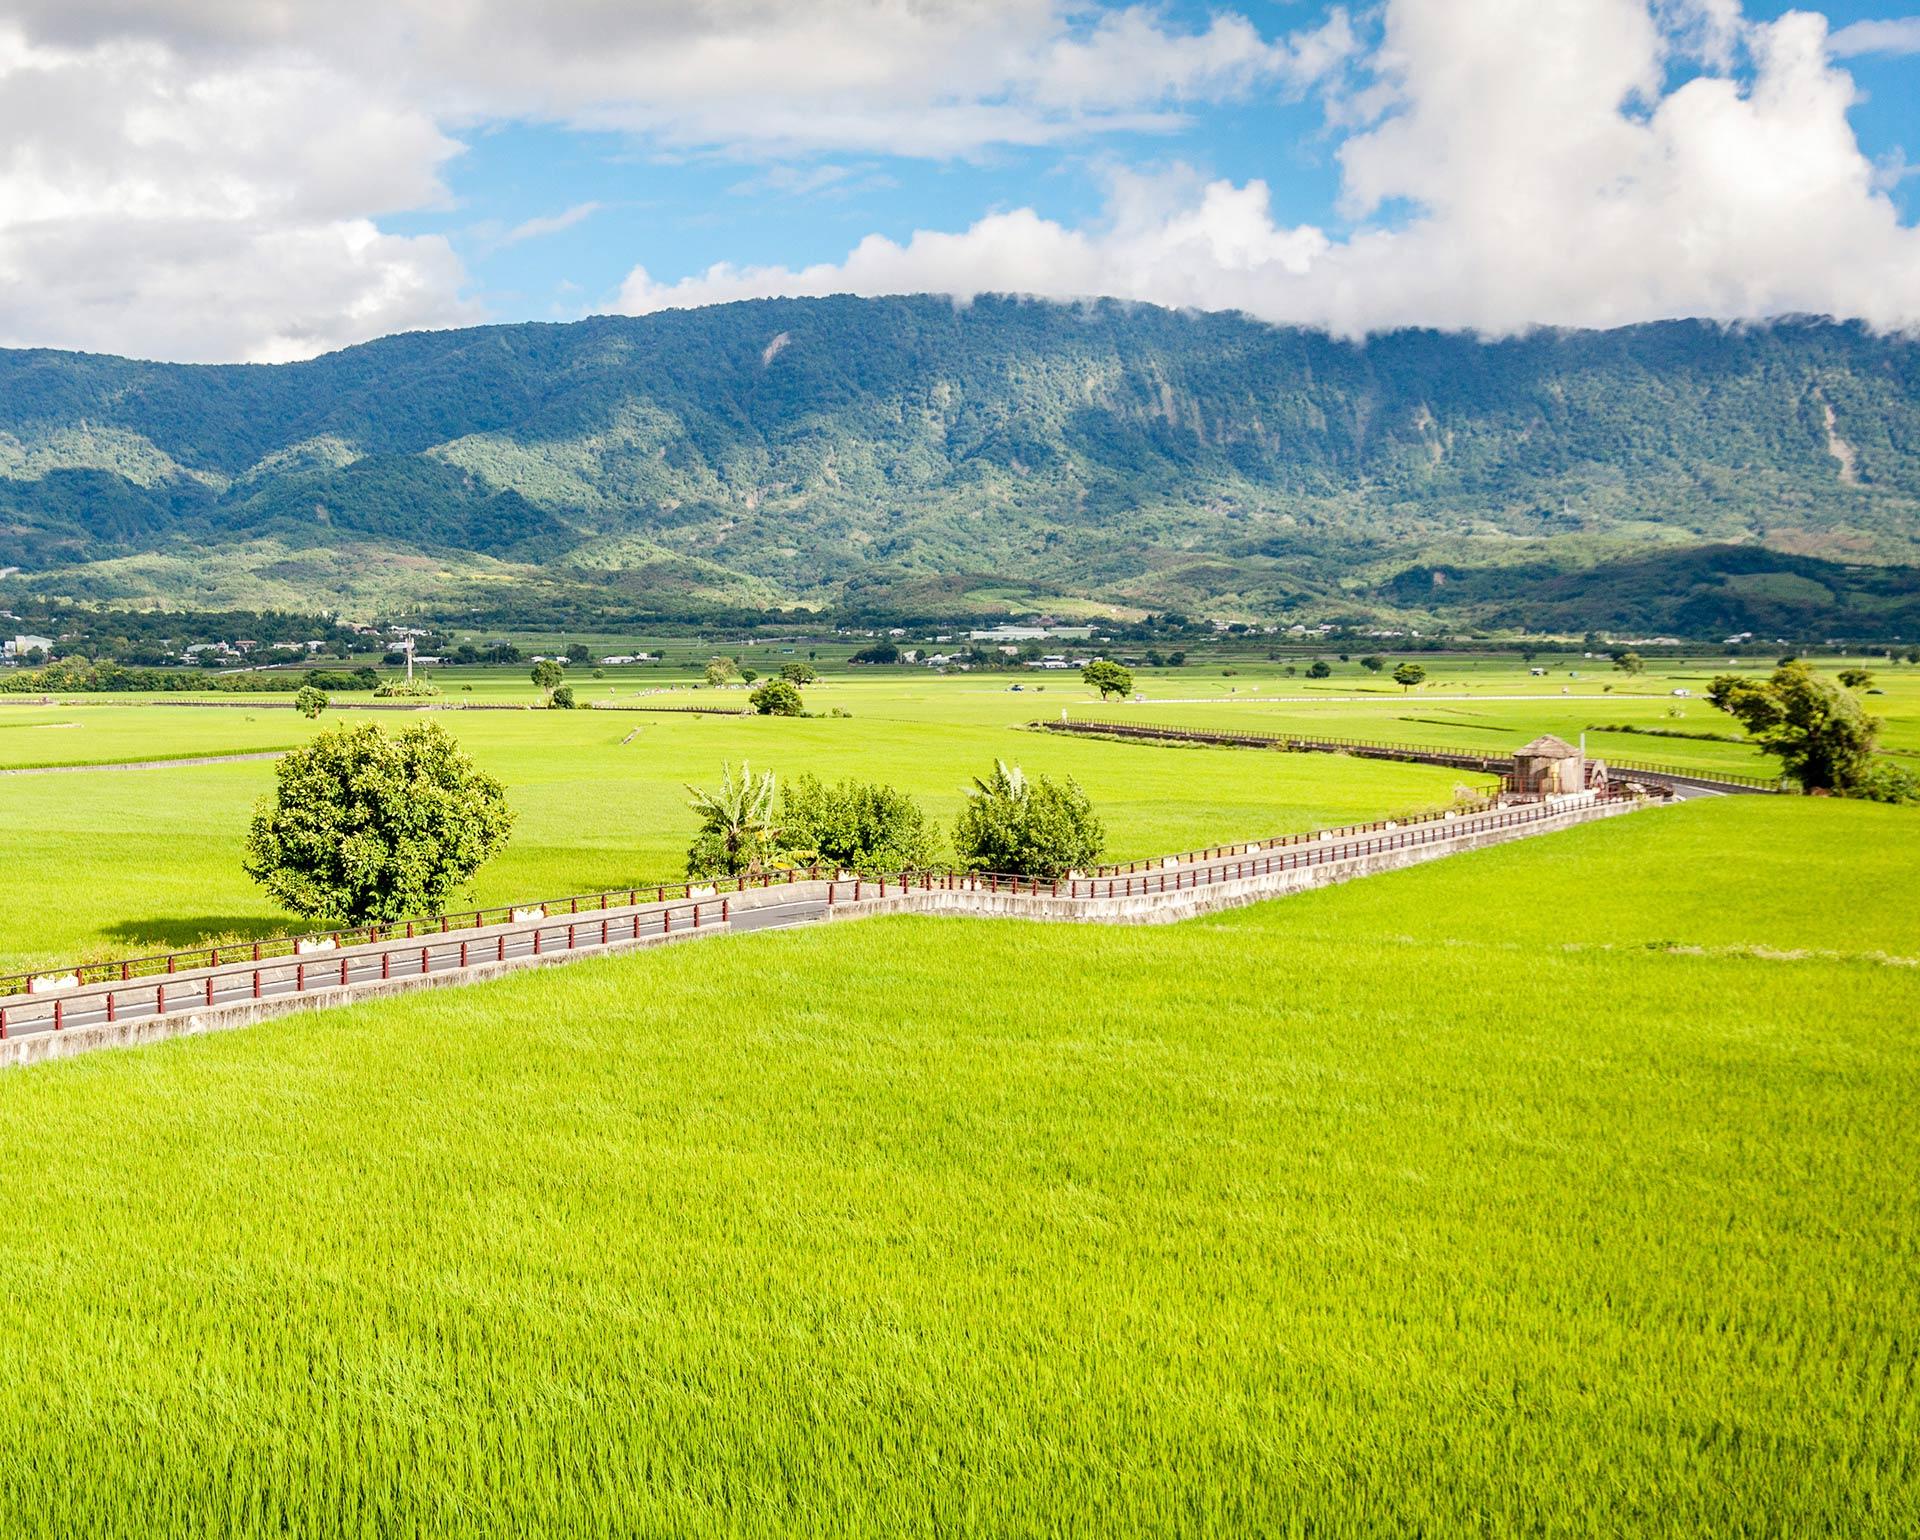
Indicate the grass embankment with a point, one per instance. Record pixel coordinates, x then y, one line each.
1451 1201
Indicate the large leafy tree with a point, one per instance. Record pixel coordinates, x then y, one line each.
548 676
1407 675
777 698
738 833
1109 678
1028 825
855 826
365 826
1816 727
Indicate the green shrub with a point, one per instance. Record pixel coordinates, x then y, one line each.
855 826
417 688
1885 781
562 698
1030 826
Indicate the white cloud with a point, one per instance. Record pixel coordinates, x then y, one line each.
194 178
201 179
549 224
217 214
937 78
1551 179
1899 36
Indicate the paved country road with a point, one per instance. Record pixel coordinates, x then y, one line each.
327 975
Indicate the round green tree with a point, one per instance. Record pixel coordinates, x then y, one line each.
776 698
1319 668
562 698
798 673
1109 678
309 702
1407 675
548 676
367 826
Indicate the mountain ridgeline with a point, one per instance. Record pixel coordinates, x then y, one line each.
912 456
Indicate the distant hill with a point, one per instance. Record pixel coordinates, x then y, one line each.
908 454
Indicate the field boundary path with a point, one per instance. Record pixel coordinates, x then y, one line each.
50 1015
145 764
1674 777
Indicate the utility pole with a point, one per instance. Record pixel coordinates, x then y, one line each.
409 645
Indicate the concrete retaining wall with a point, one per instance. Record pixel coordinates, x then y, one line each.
34 1047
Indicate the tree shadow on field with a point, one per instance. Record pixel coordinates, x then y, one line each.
174 935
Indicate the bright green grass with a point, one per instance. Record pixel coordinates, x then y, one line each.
102 862
1376 1210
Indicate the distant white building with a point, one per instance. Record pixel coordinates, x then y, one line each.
1031 634
20 646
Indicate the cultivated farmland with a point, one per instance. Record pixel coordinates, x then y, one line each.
1564 1186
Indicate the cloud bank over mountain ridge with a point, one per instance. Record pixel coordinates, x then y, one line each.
185 179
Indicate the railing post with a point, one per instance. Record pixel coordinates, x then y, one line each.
696 916
423 962
386 965
256 983
300 977
343 979
725 915
58 1020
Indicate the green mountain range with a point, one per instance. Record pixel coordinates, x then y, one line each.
912 456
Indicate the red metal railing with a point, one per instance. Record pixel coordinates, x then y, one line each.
239 983
268 949
1274 854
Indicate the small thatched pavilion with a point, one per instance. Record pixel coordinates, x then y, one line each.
1549 766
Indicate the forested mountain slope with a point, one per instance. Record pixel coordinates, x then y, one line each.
907 452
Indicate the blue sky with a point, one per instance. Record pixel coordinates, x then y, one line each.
267 182
677 213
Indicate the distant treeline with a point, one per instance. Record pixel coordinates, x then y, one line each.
73 676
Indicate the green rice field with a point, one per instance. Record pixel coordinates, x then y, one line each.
100 863
1569 1187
